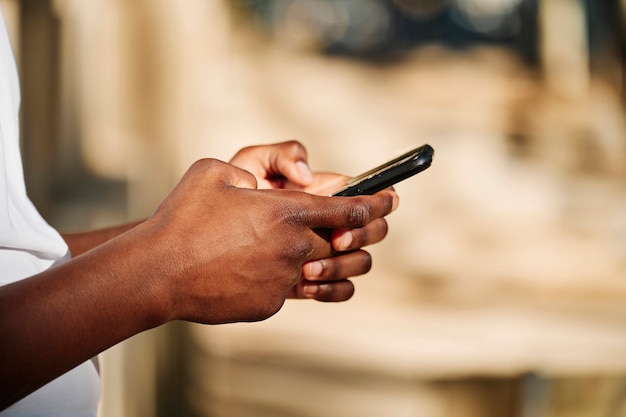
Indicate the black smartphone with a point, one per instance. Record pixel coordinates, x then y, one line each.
389 173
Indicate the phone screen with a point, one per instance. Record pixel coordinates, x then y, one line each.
389 173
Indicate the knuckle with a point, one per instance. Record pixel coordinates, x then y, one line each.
358 215
295 214
298 246
293 147
297 217
206 164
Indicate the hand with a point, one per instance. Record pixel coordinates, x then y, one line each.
234 253
285 166
216 250
282 165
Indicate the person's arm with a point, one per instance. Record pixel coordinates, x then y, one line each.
285 166
215 251
81 242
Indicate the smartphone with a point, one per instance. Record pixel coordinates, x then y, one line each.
389 173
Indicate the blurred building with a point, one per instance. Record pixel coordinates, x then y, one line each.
500 288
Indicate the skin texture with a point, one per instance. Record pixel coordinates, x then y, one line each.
216 250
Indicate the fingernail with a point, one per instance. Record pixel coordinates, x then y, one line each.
345 241
310 290
304 171
314 269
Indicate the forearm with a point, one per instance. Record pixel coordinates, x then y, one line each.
216 250
60 318
79 243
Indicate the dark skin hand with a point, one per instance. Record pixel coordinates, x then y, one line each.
284 166
216 250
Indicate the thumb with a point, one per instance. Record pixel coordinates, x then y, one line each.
210 169
297 172
291 162
240 178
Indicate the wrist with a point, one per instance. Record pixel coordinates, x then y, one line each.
156 272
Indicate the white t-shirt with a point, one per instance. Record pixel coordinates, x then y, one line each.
28 245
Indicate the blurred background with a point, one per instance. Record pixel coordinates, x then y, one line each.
501 287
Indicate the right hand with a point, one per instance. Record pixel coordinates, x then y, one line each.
285 166
228 252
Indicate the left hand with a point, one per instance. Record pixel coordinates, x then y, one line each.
284 165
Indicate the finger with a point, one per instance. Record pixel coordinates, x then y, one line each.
276 166
345 212
338 267
326 184
240 178
290 161
325 291
321 244
349 239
